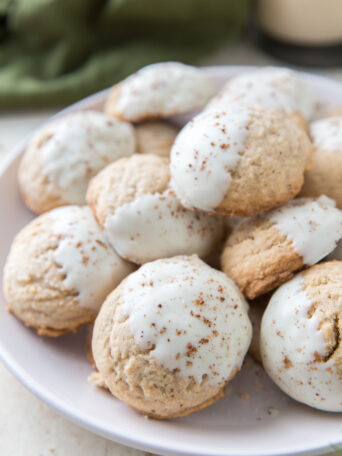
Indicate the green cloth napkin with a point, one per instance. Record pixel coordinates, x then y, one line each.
57 51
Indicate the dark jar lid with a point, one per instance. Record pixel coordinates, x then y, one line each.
306 55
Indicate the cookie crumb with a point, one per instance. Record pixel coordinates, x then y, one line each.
258 385
245 396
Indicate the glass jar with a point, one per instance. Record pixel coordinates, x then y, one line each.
307 32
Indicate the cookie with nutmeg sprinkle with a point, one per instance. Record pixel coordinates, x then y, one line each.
159 91
170 336
266 250
59 270
300 337
66 153
280 89
141 216
240 161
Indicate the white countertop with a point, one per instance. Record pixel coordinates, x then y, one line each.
27 426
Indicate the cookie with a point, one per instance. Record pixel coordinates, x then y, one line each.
170 336
239 162
325 175
266 250
155 137
158 91
142 218
280 89
66 153
300 337
59 270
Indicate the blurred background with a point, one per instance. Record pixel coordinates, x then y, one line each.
54 52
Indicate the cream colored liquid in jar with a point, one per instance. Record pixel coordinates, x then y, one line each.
304 32
303 22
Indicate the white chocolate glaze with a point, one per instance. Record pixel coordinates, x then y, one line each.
78 146
91 266
292 347
162 90
327 133
313 225
275 88
157 226
204 153
191 317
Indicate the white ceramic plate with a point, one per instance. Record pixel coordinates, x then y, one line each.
255 418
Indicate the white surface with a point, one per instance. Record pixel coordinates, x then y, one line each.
27 426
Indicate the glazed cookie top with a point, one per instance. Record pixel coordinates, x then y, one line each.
160 90
124 181
222 157
90 265
72 149
313 225
274 88
204 154
327 133
300 337
76 147
191 317
141 216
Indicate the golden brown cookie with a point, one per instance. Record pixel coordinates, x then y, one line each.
264 251
240 161
59 270
66 153
158 91
300 337
169 337
142 218
280 89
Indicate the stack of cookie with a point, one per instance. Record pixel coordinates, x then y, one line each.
130 204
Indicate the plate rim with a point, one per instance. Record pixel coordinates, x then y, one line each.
61 406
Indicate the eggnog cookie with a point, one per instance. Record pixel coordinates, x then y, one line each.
155 137
59 270
325 174
170 336
300 337
142 218
280 89
266 250
158 91
66 153
239 162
